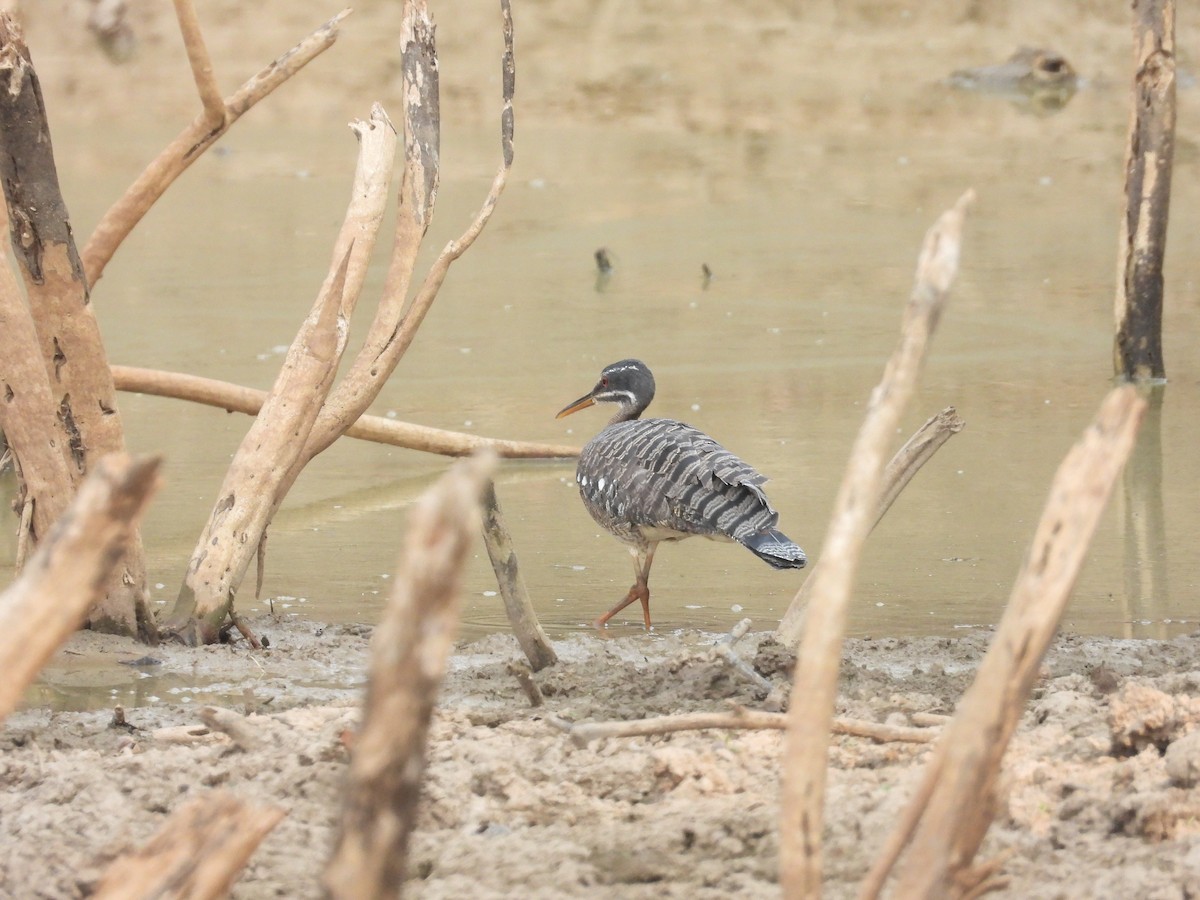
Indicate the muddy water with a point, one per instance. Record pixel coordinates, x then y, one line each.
811 243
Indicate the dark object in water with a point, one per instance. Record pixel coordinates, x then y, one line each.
603 262
1041 79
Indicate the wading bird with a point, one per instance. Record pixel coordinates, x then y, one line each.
652 480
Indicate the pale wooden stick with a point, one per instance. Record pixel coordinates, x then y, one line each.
583 733
724 650
908 460
201 63
394 327
815 683
1149 156
521 614
238 398
257 477
51 597
963 799
196 855
197 137
409 650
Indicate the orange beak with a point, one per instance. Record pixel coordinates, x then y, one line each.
582 403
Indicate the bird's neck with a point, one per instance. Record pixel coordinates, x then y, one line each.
626 414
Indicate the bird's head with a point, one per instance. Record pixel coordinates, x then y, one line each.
627 383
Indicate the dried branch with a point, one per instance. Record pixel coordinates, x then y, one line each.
394 327
1149 157
583 733
257 477
72 351
237 398
521 614
197 854
52 595
408 659
909 459
815 683
197 137
201 63
967 764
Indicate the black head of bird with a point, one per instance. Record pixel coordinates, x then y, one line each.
652 480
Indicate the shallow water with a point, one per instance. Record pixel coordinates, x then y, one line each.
812 245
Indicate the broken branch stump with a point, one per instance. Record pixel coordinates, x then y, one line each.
49 600
521 614
196 855
409 650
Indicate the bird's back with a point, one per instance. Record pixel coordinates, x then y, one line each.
656 479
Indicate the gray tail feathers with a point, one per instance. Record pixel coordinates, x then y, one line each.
776 549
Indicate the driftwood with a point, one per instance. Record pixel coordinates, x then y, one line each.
237 398
250 493
50 598
197 137
815 683
521 614
204 601
1149 154
583 733
409 650
958 795
197 854
724 650
68 334
908 460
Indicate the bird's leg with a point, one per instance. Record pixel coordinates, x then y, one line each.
640 589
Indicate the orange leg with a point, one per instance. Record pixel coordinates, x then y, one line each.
640 589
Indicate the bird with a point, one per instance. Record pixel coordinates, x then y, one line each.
651 480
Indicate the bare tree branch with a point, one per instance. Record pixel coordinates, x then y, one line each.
237 398
815 683
123 215
201 63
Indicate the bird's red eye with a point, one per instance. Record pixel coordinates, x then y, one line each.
604 381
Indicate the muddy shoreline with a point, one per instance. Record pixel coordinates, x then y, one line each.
1097 802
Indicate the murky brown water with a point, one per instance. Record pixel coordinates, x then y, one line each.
812 246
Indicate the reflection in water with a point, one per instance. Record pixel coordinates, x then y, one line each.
1144 525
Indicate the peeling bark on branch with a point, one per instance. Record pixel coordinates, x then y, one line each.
68 334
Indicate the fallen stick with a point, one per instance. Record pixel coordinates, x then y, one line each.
802 806
122 216
723 649
50 599
966 765
524 677
521 614
909 459
230 723
196 855
409 650
237 398
583 733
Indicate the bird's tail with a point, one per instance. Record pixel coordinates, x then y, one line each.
776 549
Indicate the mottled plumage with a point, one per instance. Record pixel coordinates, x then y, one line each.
652 480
